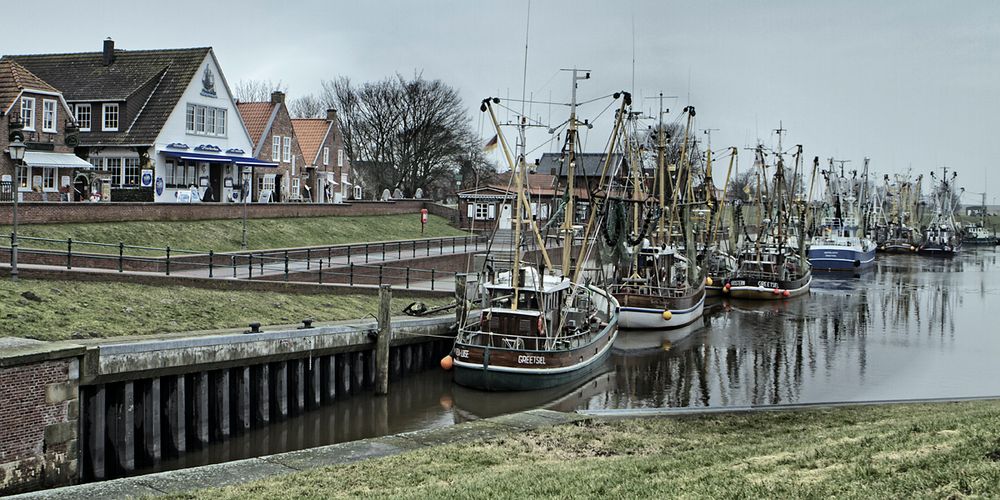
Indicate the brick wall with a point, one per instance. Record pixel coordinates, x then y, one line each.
46 213
39 421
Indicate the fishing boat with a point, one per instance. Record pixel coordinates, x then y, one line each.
773 265
841 243
942 236
657 286
539 327
978 233
901 234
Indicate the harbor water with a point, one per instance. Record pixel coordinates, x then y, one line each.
910 327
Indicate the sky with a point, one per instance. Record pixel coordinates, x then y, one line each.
911 85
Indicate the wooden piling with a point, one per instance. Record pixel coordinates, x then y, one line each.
384 340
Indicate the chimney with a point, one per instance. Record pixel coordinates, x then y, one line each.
109 51
331 115
277 97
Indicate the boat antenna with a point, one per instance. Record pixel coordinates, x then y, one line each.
524 76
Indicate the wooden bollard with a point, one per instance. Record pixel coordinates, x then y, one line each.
384 339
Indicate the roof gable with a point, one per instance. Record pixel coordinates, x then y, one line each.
258 117
14 79
311 134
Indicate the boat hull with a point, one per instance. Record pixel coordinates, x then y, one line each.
762 289
839 258
938 250
642 318
898 248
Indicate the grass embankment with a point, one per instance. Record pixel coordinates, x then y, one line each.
940 450
64 310
223 235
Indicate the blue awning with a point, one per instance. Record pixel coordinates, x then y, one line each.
239 160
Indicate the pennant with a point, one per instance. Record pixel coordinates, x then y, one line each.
492 144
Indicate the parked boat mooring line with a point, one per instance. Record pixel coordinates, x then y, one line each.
670 412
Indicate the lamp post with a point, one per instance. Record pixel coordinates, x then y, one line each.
245 186
16 152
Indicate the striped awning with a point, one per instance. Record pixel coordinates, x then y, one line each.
45 159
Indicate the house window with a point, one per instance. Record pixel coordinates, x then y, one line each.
199 120
220 122
189 119
192 175
296 183
23 175
110 112
83 117
340 157
286 151
482 211
28 113
326 156
49 179
209 121
265 183
131 169
48 115
115 166
276 149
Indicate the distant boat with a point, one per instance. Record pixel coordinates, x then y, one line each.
841 243
942 237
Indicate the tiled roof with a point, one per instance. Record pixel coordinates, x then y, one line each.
256 116
311 132
150 81
14 78
587 164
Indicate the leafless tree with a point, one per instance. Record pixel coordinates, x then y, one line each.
256 90
308 106
401 133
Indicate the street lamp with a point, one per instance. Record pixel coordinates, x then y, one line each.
16 152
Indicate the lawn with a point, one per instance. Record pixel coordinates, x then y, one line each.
63 310
934 450
226 234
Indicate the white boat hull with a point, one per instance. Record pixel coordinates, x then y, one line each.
645 318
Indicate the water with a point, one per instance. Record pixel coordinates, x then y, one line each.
911 328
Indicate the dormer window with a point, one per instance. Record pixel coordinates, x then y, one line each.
83 117
110 117
28 113
49 115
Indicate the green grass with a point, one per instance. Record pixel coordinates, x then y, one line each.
922 451
75 310
225 235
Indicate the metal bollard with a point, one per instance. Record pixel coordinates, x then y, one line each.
168 261
407 276
351 278
380 275
308 259
69 253
366 253
320 271
121 256
233 259
286 265
432 279
211 259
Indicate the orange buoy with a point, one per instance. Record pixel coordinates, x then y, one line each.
786 294
776 291
446 362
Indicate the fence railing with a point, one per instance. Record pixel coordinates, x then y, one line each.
356 263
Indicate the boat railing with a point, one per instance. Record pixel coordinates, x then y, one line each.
660 291
514 341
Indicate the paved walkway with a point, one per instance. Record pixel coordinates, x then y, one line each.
255 469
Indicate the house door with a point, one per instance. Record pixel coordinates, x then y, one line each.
278 194
215 181
505 216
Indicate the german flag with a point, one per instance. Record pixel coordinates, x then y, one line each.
492 144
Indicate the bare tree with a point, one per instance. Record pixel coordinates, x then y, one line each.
308 106
400 133
256 90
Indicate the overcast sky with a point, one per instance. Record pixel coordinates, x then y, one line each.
910 83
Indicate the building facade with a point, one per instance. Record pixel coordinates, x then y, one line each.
156 125
35 112
327 164
274 141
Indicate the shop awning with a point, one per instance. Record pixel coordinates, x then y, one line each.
331 178
239 160
45 159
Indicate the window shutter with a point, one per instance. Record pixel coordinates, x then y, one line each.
492 211
472 210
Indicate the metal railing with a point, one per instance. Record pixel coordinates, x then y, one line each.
347 263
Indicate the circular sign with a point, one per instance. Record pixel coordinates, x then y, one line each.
159 186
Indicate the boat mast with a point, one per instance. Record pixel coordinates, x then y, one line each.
570 214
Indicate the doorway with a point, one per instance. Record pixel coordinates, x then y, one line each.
505 216
215 181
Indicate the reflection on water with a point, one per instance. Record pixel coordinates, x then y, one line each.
913 328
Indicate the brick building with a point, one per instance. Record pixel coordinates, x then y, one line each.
37 114
274 141
327 165
493 204
158 125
